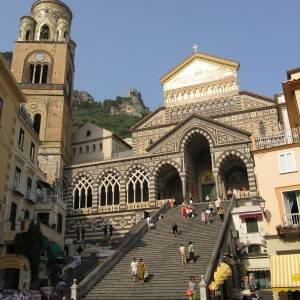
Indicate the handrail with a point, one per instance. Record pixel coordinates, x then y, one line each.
132 237
215 257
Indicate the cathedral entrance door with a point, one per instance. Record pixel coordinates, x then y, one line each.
210 191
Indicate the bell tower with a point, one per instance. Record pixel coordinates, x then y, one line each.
43 65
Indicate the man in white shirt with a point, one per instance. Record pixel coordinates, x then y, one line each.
182 253
218 203
134 269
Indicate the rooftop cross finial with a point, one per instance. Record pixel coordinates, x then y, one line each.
195 48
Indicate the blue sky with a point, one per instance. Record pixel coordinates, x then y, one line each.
132 43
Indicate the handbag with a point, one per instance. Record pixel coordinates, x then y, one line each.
189 293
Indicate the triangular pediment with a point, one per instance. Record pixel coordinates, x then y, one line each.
199 69
219 134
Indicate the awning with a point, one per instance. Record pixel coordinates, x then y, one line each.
256 264
285 272
254 214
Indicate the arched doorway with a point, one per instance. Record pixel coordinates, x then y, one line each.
234 177
168 184
200 180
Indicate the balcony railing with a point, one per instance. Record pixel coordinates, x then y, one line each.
291 219
49 199
283 137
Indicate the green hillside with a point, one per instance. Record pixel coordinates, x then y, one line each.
86 109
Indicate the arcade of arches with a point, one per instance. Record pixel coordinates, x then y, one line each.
199 180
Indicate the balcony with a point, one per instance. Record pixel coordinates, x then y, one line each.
291 225
276 139
50 199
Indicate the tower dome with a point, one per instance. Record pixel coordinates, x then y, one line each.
53 20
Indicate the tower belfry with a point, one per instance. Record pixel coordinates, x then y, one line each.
43 65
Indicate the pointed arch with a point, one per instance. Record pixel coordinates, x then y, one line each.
109 189
137 186
82 193
44 33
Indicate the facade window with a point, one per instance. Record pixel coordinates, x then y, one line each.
37 123
291 200
80 150
82 193
43 218
252 225
94 147
1 107
109 190
32 151
26 214
88 133
28 188
59 223
45 32
17 179
137 186
21 138
38 73
287 162
100 147
13 216
254 250
74 151
87 149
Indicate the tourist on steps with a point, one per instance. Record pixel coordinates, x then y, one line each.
203 217
174 229
182 253
192 288
191 252
221 213
134 269
141 270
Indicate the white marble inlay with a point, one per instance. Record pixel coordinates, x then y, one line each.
198 72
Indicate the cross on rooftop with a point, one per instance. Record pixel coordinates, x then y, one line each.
195 47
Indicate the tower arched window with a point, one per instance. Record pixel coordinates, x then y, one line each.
37 123
82 193
28 35
45 33
109 190
137 186
38 73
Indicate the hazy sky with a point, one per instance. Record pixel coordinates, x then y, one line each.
132 43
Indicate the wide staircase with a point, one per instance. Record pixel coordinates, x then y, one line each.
160 252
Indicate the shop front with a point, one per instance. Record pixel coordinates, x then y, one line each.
14 272
285 276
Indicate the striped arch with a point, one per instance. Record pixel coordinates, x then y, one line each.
187 135
228 156
82 174
166 162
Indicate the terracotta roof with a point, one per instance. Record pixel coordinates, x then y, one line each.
194 115
200 55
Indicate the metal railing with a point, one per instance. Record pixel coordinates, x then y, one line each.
280 138
291 219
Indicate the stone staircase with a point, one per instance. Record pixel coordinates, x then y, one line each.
159 249
87 265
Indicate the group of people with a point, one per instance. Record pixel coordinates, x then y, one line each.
187 252
208 215
187 210
138 270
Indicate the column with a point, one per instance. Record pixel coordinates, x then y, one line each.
215 174
183 183
151 187
95 197
123 195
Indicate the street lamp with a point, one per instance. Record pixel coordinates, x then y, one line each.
262 204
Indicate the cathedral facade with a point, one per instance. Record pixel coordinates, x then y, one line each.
197 145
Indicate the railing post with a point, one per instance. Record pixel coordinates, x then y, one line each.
203 289
74 290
